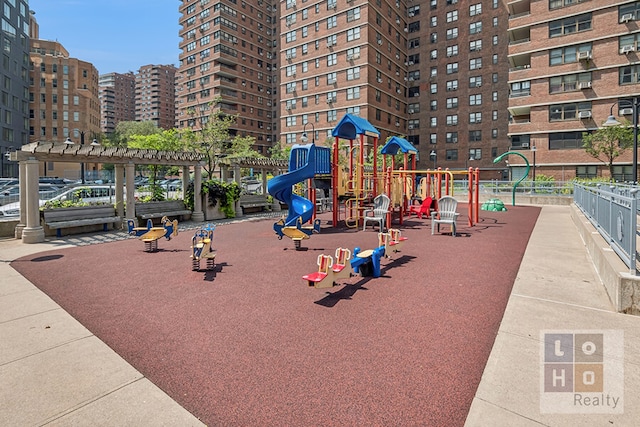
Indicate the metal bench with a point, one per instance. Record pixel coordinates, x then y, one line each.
57 219
253 203
168 208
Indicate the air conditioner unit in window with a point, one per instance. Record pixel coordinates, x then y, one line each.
288 56
411 111
584 114
627 49
411 126
411 62
349 57
288 108
626 111
380 42
584 55
626 17
478 84
584 85
416 94
411 14
356 56
379 80
525 145
411 79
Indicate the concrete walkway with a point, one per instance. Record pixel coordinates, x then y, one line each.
53 371
557 289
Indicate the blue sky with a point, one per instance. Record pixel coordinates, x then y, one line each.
114 35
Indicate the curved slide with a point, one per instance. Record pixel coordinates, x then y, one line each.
281 188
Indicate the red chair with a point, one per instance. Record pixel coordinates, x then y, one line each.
423 209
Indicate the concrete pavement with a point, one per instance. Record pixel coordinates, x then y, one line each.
55 372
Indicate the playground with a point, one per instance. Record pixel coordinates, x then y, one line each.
249 342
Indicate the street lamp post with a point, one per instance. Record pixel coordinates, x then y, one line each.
611 121
433 155
304 138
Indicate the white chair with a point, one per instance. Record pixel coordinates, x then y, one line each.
378 213
446 214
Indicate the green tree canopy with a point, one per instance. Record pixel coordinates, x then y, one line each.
608 143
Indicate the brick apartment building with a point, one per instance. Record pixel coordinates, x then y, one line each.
155 98
63 100
229 62
571 63
117 94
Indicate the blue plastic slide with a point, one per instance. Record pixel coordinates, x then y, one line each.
281 187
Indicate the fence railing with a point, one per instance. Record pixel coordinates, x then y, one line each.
540 188
613 210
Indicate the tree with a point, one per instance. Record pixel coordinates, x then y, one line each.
125 130
242 146
167 140
277 151
608 143
213 140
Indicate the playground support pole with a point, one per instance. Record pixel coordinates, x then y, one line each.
375 166
470 196
477 196
334 174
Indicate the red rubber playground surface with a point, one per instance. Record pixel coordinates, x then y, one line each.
250 344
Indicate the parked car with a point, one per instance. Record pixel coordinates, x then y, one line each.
12 194
91 194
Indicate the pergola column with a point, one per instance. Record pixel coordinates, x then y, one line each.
22 179
185 180
33 232
130 202
119 172
197 215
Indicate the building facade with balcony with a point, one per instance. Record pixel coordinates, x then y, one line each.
229 64
155 95
117 93
571 63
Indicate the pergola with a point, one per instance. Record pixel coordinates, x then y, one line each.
262 165
124 160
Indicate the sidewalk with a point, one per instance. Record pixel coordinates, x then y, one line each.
55 372
557 288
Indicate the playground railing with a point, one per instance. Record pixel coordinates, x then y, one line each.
612 210
539 188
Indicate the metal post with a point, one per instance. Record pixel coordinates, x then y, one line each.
635 139
82 163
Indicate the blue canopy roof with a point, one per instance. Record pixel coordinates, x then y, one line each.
351 125
396 143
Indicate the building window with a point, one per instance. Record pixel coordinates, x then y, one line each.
570 25
475 9
452 16
569 111
475 135
475 117
451 155
452 102
451 138
452 33
475 99
475 27
629 74
452 120
452 68
565 140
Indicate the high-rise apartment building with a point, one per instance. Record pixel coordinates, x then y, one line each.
15 82
117 93
63 100
229 63
457 83
155 98
342 57
572 64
